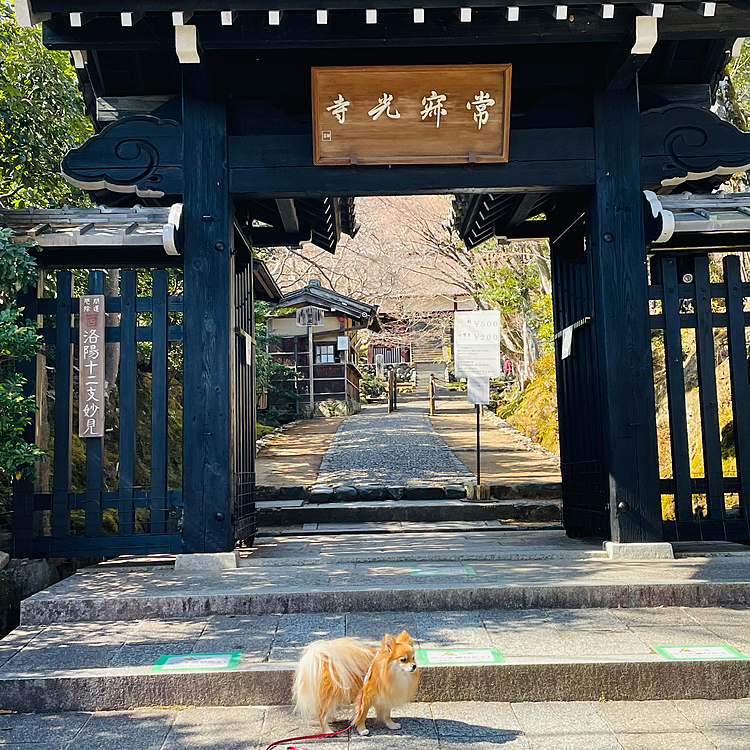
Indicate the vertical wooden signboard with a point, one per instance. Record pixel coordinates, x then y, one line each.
91 366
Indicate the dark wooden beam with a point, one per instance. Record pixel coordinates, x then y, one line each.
528 230
288 214
631 54
394 27
167 6
208 450
276 237
615 243
542 161
523 209
106 257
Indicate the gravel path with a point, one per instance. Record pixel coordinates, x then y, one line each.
402 448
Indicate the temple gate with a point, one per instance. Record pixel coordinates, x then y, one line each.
210 107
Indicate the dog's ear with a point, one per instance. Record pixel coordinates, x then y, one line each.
404 637
388 642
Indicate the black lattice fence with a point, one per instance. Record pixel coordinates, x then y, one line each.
120 493
700 345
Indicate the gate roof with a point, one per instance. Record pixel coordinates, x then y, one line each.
128 63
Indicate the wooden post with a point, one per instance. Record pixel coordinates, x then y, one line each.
208 408
311 363
479 451
433 388
616 245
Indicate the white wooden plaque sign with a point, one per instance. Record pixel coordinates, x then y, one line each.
476 344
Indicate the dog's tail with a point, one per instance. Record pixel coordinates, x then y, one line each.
326 667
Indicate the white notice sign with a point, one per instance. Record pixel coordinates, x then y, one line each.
478 391
477 344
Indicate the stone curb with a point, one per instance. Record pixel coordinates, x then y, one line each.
348 493
405 511
41 609
270 684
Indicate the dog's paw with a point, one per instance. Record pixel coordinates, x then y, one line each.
363 732
393 725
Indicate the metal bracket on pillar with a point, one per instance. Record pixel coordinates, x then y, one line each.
632 53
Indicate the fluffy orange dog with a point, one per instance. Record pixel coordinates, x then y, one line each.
333 673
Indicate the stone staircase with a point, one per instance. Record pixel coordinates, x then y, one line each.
372 508
423 371
566 623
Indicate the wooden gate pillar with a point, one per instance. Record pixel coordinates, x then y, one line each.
615 239
208 409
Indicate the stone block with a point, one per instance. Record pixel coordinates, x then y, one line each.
396 493
207 561
321 495
346 494
266 492
4 559
503 491
423 492
539 490
293 492
455 491
372 492
639 550
30 576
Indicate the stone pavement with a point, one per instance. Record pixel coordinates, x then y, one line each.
528 637
643 725
402 448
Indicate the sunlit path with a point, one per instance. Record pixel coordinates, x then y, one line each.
399 448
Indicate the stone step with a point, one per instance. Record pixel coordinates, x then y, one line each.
288 513
270 685
319 494
402 527
565 655
382 586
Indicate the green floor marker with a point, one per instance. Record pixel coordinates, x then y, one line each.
196 662
466 570
699 653
442 657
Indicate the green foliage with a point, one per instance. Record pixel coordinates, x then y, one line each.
733 95
18 341
533 411
269 374
41 118
371 386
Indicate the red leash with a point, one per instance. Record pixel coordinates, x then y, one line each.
326 734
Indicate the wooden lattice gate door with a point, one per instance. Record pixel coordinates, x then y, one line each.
578 400
120 493
243 513
700 345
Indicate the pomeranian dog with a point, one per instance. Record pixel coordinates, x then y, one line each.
347 672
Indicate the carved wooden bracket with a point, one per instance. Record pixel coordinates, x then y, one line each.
140 154
684 143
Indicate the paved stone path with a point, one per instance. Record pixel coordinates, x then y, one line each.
642 725
402 448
